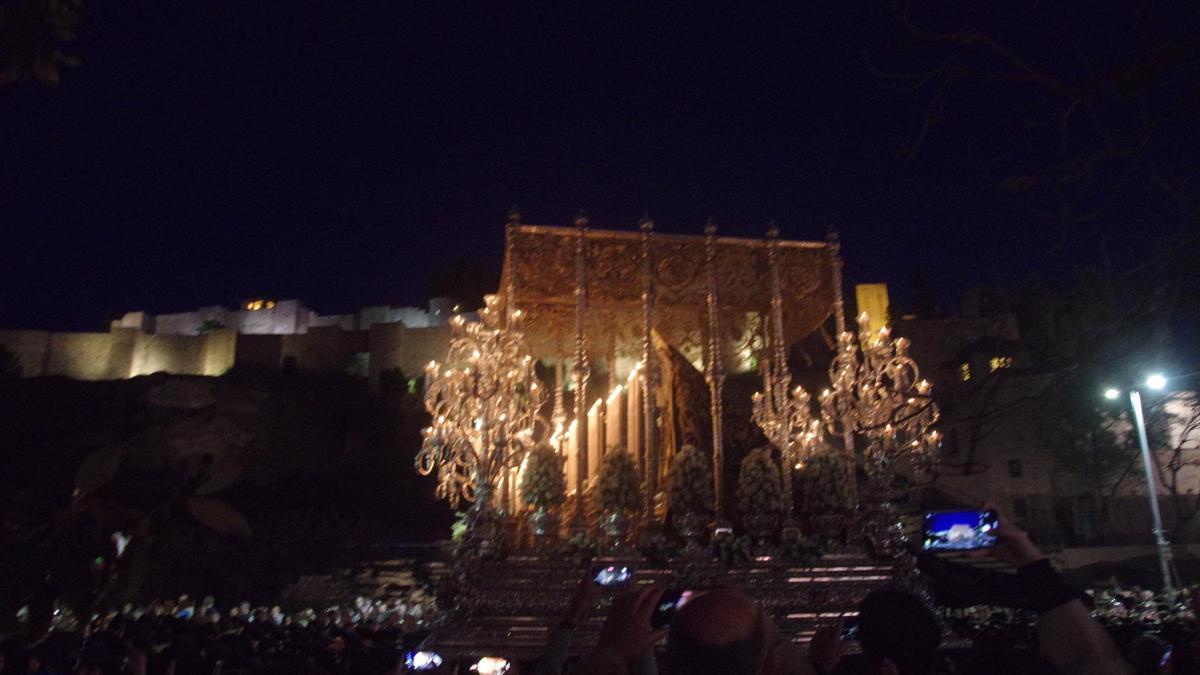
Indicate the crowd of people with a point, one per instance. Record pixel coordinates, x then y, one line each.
723 631
188 637
718 631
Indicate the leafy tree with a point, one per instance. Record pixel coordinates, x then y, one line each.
32 35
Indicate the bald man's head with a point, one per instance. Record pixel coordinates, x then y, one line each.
721 631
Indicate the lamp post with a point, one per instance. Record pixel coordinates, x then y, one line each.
1156 382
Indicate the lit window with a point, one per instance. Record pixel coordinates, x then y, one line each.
964 372
998 362
255 305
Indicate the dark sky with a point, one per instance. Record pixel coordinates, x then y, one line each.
337 152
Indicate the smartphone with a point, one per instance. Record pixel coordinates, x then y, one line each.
670 602
960 530
612 576
422 660
1166 657
850 628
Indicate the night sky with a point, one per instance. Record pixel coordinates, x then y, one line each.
337 152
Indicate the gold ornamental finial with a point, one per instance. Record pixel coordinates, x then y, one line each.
581 219
645 224
710 227
772 230
514 215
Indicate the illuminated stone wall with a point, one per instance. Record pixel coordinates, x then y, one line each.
119 354
29 347
90 356
128 352
409 349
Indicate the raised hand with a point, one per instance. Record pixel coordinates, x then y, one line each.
627 630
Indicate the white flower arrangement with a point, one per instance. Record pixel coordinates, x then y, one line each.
542 483
618 486
690 487
759 487
823 483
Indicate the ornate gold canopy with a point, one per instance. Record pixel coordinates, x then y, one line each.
540 271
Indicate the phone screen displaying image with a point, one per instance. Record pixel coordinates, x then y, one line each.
612 576
960 530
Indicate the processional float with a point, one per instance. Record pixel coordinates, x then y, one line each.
572 298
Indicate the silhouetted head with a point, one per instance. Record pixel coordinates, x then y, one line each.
898 633
722 631
1146 652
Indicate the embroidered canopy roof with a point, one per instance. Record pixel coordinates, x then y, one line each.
540 270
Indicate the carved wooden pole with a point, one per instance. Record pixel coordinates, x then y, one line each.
581 370
650 458
833 247
715 375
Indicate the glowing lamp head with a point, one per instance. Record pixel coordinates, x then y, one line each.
491 665
1156 381
1111 394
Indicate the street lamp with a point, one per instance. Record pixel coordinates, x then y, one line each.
1156 382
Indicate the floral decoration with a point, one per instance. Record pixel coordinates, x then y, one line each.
690 485
618 486
542 482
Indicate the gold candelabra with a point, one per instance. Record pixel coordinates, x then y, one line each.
877 392
485 403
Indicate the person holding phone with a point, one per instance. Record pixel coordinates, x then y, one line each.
720 631
558 644
1068 635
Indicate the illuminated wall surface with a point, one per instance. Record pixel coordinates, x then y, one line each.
262 333
873 299
128 352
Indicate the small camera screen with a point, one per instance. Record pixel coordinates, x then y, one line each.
959 530
422 660
613 576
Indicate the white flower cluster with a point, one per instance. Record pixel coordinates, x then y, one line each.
542 482
1135 605
759 487
1111 606
691 482
618 486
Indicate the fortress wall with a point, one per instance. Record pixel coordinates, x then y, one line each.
287 316
220 350
29 347
323 348
258 351
90 356
175 354
128 352
424 345
409 349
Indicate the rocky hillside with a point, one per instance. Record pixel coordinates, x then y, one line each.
232 485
